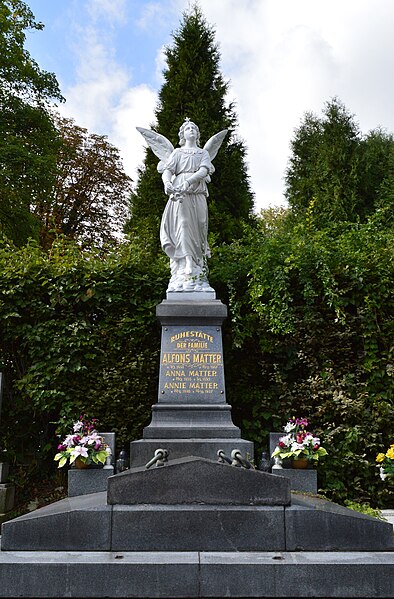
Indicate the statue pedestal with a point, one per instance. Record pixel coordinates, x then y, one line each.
191 417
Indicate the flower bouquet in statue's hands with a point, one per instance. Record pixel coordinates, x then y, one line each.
299 443
386 463
83 444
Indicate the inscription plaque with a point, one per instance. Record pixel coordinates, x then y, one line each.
191 365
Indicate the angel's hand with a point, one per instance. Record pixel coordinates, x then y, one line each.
168 188
184 187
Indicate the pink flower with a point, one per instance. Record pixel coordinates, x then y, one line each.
71 440
93 439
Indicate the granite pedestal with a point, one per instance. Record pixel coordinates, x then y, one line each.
191 416
4 471
91 480
7 497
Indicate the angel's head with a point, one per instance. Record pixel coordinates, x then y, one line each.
187 124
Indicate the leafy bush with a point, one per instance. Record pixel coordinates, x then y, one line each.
311 333
78 334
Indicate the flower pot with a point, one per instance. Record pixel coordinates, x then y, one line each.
80 465
300 463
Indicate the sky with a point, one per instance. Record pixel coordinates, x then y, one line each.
283 58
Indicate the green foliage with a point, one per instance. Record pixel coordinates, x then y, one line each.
28 137
363 508
194 87
78 333
311 334
20 74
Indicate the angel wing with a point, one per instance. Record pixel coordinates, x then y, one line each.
213 144
159 145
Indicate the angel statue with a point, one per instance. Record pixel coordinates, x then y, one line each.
185 171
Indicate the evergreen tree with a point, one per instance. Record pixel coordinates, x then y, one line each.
335 173
322 174
195 88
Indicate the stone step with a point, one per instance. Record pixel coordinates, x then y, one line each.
88 523
196 574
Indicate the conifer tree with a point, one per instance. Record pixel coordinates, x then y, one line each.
195 88
335 173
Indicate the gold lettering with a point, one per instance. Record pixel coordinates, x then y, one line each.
197 345
207 373
186 334
179 358
204 386
175 373
207 358
175 386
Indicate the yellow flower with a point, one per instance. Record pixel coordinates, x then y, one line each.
390 453
392 445
380 457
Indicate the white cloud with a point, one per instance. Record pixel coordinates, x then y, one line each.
112 10
160 66
99 82
283 58
152 14
134 109
102 98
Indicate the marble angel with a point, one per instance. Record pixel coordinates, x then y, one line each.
185 173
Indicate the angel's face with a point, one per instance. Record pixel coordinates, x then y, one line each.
190 132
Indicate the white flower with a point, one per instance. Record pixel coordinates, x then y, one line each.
286 440
92 439
308 438
296 446
289 427
77 426
80 451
